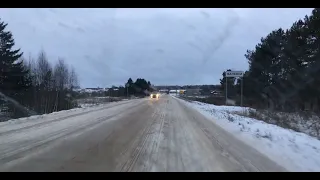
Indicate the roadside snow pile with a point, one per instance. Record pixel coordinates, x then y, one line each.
230 109
94 101
293 150
85 105
53 116
305 122
174 95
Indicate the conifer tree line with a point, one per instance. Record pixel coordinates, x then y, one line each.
138 88
32 85
284 68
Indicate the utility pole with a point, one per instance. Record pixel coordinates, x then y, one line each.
226 89
127 86
241 90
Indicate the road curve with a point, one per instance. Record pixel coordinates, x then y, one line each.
141 135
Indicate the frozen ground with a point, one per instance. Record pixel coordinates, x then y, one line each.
15 124
137 135
93 101
293 150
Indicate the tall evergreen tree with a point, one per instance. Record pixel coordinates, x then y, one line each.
130 87
284 68
14 77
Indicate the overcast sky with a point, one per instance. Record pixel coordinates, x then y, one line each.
166 46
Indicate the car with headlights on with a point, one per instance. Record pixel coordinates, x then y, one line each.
154 95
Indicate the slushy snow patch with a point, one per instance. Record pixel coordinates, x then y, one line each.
293 150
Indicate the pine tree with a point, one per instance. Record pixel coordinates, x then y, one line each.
130 81
284 68
130 86
14 77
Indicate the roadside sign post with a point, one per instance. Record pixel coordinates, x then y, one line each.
127 86
241 96
226 90
234 74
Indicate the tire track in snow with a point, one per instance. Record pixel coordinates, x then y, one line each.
156 140
129 165
146 144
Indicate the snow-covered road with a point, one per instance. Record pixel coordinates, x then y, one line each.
135 135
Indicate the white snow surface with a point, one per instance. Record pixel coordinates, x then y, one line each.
293 150
32 120
18 135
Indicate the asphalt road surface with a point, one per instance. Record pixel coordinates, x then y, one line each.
136 135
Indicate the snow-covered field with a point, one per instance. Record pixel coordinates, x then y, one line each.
293 150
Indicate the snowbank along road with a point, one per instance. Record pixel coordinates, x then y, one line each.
136 135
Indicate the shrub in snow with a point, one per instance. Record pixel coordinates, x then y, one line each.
299 121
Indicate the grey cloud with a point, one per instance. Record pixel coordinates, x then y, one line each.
63 25
205 14
165 46
79 29
53 10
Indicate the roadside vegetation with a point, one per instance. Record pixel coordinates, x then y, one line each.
282 84
284 69
34 85
130 90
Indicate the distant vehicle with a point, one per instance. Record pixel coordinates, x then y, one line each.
182 91
154 96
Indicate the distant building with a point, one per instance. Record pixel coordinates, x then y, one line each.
163 90
91 90
193 92
216 93
173 91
